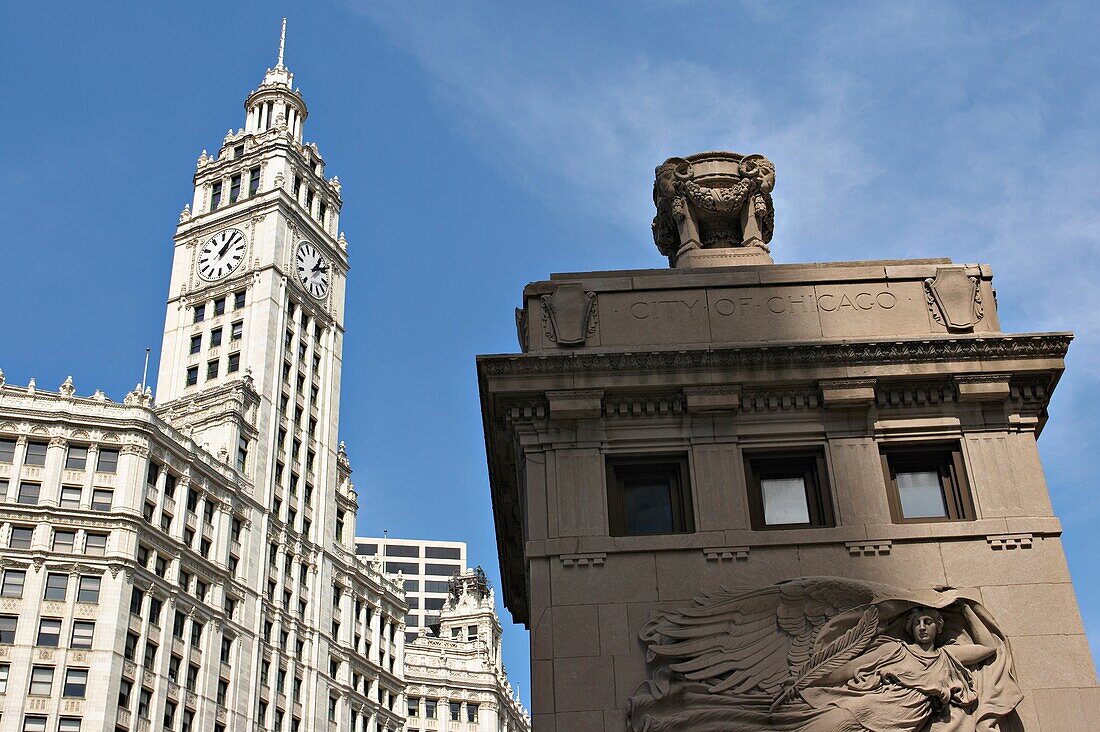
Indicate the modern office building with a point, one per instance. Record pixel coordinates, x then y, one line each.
189 564
425 568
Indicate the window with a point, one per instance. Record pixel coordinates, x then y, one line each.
41 681
174 668
196 344
87 589
442 552
236 330
57 584
95 545
124 689
429 708
414 707
215 195
788 490
169 714
926 483
49 632
76 683
8 624
456 711
28 493
215 337
253 181
36 453
12 585
196 632
242 453
129 651
471 712
149 660
234 188
212 370
21 537
144 697
7 451
238 151
234 363
200 313
34 723
238 299
403 567
107 462
68 724
5 671
76 458
102 498
179 619
219 306
648 495
70 496
83 634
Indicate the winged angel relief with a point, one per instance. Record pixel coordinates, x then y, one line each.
825 654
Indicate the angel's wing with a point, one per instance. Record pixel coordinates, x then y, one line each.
751 640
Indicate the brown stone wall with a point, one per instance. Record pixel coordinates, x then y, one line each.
691 379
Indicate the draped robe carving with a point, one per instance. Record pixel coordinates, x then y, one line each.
746 660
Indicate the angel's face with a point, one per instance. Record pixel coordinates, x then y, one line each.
924 629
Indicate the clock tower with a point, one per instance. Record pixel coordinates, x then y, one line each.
250 361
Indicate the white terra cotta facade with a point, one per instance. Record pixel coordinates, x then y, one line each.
457 681
208 537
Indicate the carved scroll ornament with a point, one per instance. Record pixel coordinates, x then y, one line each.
954 298
713 201
826 654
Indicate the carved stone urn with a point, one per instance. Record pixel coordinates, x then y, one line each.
714 209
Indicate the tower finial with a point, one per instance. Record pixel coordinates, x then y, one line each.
282 45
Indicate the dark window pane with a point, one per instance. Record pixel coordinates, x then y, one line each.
442 552
398 550
648 504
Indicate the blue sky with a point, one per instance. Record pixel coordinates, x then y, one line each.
484 146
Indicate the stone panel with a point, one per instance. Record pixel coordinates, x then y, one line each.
1067 710
858 482
535 467
615 637
719 504
653 317
581 721
584 684
542 684
579 631
684 574
622 578
1052 661
542 632
916 564
993 480
763 314
579 495
975 564
1017 607
872 309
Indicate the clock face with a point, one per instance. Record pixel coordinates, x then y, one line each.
312 270
221 254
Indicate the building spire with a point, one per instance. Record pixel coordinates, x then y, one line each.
282 45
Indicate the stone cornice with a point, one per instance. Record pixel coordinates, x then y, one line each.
764 356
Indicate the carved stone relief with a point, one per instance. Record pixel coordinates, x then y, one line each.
826 654
954 298
715 200
569 315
